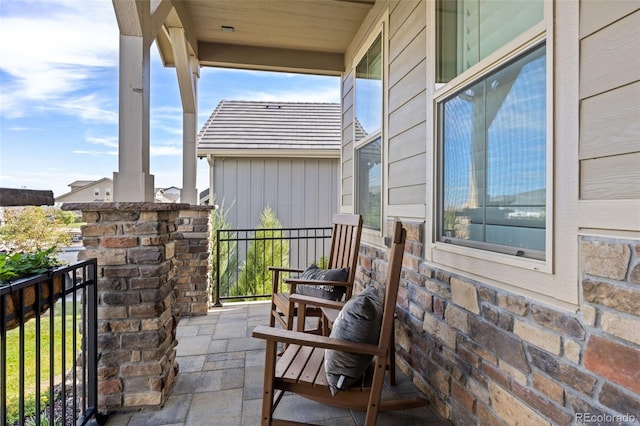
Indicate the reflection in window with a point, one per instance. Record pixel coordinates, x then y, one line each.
470 30
368 97
369 181
493 164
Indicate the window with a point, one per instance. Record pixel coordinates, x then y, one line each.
107 192
96 192
368 135
470 30
492 131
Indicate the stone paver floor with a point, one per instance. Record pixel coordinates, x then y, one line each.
220 380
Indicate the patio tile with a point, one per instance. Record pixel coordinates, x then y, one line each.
192 345
221 376
216 408
219 361
174 412
189 364
245 344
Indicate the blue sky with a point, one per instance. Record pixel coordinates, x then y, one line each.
59 97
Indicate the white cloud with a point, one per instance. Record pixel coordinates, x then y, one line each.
94 153
53 54
111 142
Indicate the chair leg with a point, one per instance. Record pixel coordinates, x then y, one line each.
269 373
392 359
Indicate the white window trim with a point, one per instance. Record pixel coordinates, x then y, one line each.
373 236
550 280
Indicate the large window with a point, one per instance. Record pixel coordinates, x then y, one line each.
492 133
368 135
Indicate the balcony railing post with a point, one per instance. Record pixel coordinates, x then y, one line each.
217 300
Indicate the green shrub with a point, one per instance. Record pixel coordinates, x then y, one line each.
269 249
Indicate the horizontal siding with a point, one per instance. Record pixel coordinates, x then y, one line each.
611 178
408 143
407 88
609 150
609 58
610 123
410 56
346 184
409 30
407 172
596 14
407 195
408 115
407 106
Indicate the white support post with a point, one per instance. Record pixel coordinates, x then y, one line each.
189 193
133 182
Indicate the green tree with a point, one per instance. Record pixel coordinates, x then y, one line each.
268 249
31 228
228 256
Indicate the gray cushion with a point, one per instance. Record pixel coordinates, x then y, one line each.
359 321
324 291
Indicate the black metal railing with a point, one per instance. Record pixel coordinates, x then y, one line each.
242 258
48 350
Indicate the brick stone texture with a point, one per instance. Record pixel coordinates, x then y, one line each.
488 356
153 262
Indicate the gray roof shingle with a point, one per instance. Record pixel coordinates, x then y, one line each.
248 125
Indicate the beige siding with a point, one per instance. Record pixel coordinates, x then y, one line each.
596 14
609 58
346 198
407 105
610 107
611 178
610 123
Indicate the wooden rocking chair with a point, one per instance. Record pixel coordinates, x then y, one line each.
301 368
345 243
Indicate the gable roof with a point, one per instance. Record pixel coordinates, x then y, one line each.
245 128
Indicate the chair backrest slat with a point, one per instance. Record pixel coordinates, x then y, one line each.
345 244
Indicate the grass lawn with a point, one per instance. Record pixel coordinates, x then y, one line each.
30 355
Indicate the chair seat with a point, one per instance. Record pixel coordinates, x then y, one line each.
303 366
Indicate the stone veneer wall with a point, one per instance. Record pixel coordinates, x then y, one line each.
150 256
487 356
192 260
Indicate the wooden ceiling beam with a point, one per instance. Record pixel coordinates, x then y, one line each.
270 59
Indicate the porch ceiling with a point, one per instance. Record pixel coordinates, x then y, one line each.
288 35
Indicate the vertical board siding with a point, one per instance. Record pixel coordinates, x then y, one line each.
302 192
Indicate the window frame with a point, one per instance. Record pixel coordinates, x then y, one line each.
374 236
479 261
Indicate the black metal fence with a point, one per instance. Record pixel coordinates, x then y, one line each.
242 257
48 347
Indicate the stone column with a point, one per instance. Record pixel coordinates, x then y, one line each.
137 312
193 252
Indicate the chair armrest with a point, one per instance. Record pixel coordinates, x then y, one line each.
281 269
315 301
307 339
275 277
